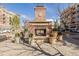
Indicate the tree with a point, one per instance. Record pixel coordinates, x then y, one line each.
56 25
62 21
65 25
14 22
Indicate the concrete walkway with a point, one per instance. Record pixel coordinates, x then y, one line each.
69 50
12 49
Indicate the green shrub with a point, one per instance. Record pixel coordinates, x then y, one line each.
17 35
30 35
55 29
25 30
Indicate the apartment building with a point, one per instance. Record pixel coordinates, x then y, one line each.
5 17
70 16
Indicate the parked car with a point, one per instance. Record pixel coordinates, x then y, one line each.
77 31
73 30
2 37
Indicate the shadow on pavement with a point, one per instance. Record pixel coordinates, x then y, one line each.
73 39
44 52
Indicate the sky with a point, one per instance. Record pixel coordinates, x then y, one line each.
26 10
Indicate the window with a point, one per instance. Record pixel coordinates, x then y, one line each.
74 13
3 14
77 10
77 5
3 18
3 22
73 17
73 26
78 16
73 22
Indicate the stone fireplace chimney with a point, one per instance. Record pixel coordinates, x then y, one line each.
39 13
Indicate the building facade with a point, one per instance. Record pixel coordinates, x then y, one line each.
70 16
5 17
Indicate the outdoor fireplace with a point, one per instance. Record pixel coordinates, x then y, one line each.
40 32
39 27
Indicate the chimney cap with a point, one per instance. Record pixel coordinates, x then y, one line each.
40 5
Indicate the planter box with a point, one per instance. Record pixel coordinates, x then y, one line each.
53 39
60 37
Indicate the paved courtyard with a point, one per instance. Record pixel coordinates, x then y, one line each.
12 49
7 48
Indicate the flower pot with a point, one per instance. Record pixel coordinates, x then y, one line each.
30 41
55 33
17 39
60 38
53 39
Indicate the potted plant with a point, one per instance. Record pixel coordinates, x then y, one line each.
60 36
25 30
55 33
17 37
30 38
26 35
13 36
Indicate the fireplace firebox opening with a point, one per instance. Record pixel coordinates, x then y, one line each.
40 32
